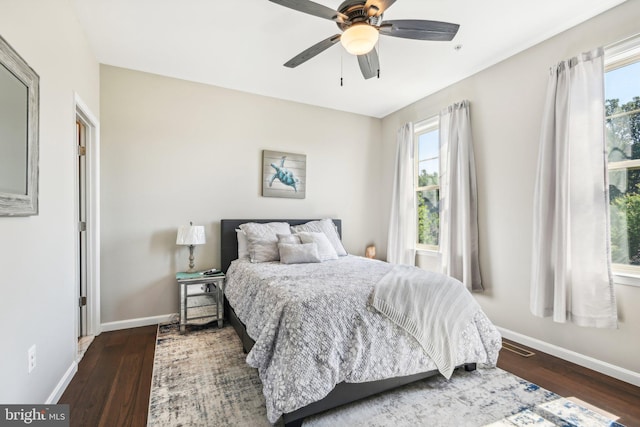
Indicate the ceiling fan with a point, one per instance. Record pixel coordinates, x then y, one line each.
361 23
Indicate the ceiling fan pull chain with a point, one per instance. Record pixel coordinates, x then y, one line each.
379 52
341 84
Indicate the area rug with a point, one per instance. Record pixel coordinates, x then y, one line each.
201 379
559 412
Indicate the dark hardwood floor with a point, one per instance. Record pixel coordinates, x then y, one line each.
113 382
567 379
112 385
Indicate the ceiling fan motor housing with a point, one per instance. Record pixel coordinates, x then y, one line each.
354 9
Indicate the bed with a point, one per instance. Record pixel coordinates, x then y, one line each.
339 389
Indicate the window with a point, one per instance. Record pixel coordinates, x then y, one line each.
622 128
427 183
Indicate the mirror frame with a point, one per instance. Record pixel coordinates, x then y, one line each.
21 204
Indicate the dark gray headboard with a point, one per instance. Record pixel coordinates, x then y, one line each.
229 240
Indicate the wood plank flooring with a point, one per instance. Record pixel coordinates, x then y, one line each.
568 379
113 382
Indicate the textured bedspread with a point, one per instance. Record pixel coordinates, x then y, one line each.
314 327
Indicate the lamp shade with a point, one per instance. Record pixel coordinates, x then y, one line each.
191 235
359 39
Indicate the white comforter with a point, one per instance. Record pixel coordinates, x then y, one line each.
314 327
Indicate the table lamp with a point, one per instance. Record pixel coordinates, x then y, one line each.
191 235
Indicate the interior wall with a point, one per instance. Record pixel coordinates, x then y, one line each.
37 253
175 151
506 113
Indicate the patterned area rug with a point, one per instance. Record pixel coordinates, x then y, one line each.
201 379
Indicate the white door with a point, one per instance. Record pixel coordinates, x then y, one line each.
82 226
87 195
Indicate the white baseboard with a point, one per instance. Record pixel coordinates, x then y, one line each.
135 323
56 394
606 368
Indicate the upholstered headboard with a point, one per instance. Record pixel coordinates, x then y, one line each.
229 240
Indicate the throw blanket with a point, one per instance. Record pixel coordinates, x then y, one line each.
432 307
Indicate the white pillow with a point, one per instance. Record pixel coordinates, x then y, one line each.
327 227
263 250
325 248
296 253
243 250
263 240
267 230
289 238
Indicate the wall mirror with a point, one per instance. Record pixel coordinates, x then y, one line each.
19 106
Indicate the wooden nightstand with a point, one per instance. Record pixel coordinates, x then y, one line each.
201 298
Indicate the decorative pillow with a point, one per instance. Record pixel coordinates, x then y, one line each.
263 250
263 240
325 248
327 227
289 238
296 253
243 250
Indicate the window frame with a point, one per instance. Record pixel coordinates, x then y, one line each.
618 55
420 128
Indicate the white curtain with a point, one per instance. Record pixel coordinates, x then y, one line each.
458 198
403 222
571 266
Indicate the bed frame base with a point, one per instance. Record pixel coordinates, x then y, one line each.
342 393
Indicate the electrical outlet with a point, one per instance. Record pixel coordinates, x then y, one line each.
32 358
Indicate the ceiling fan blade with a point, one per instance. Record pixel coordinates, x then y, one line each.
312 51
314 9
377 7
419 29
369 64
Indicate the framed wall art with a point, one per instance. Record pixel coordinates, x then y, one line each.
284 174
19 99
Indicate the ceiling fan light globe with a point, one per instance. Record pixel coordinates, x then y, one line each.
359 39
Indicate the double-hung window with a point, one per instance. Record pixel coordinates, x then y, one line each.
427 183
622 128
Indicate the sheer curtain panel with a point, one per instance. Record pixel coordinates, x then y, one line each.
458 198
571 265
403 221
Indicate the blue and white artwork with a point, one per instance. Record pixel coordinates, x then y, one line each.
284 174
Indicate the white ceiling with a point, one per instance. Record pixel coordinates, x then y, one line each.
242 45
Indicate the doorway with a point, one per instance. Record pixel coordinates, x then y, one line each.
81 133
87 191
